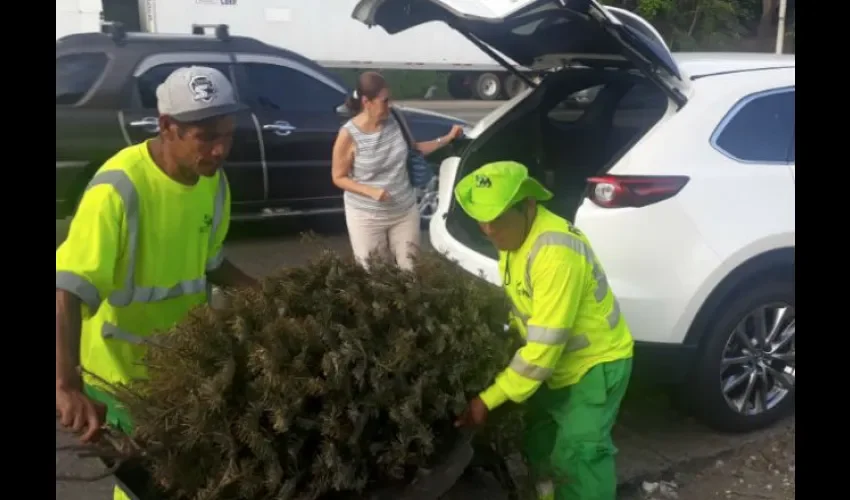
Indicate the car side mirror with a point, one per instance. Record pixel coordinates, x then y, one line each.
343 111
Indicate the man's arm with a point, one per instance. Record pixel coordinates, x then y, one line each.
85 273
557 279
219 270
68 326
85 276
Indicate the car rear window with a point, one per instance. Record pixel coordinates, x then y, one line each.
76 74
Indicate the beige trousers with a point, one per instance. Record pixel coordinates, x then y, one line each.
392 238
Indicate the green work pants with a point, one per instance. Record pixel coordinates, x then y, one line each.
568 434
117 417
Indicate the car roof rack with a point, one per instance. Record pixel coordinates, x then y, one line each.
222 31
115 30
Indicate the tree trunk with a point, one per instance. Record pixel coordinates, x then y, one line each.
766 32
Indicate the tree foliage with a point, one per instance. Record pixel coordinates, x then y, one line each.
330 379
727 25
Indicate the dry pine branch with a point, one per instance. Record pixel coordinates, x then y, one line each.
331 379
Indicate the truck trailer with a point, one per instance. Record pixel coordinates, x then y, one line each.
322 30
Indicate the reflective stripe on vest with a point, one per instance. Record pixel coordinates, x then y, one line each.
554 336
529 370
131 293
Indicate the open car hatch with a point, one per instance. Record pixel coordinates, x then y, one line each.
542 34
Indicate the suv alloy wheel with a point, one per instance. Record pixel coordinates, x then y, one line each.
745 374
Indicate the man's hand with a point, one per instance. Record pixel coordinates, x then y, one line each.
474 415
79 414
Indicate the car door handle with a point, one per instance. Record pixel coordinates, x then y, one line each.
281 128
148 124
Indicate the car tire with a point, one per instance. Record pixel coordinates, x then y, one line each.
705 394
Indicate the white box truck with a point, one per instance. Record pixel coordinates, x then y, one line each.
322 30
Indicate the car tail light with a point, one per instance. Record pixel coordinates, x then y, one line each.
617 191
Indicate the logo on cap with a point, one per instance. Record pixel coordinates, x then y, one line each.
482 181
202 88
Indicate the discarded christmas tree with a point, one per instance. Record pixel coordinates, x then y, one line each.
331 379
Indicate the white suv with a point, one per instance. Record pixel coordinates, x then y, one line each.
680 169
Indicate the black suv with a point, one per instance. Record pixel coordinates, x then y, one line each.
280 163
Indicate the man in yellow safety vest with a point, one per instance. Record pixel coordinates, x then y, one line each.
575 366
144 243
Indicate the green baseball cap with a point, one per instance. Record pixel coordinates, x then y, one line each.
493 188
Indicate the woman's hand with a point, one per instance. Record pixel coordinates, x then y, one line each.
454 133
379 194
429 147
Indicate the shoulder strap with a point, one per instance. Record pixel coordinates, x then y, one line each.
405 129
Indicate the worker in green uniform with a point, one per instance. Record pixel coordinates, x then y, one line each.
143 248
575 366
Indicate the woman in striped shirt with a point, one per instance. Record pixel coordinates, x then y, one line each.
370 165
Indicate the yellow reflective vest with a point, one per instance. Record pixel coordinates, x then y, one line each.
562 307
137 254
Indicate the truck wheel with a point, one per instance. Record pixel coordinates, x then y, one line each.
744 378
514 85
488 87
457 86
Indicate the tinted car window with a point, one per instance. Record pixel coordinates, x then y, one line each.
147 82
282 88
762 130
76 74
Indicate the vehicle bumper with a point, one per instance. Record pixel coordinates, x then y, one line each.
468 259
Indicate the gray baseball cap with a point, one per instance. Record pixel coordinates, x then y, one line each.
195 93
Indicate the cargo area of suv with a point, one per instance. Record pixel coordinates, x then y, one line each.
609 79
563 140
